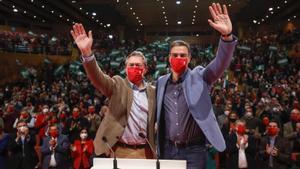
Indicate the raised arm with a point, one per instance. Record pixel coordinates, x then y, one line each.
221 22
99 79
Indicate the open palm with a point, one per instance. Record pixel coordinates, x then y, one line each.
83 42
221 21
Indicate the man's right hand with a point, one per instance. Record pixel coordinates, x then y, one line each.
83 42
268 149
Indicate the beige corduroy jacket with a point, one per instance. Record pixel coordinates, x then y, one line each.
120 95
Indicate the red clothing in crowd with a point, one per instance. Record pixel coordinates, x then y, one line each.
80 156
40 124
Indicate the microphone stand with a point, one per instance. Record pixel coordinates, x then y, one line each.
115 163
157 158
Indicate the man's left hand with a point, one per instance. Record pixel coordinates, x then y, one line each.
220 19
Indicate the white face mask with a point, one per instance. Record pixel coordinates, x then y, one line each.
45 110
248 114
226 113
83 136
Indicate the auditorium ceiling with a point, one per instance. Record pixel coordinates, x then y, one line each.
140 14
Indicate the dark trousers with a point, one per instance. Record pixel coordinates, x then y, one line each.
195 155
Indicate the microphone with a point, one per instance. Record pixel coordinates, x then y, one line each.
115 163
152 149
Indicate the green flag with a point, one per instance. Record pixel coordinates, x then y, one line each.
59 71
25 73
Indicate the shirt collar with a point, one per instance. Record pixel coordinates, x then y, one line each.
181 78
134 87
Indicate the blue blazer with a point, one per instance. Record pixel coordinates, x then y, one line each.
61 152
196 88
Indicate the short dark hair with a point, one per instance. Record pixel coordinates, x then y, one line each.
275 121
21 121
180 43
53 125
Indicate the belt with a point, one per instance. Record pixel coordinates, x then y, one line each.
138 146
181 144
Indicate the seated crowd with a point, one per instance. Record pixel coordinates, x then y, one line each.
50 122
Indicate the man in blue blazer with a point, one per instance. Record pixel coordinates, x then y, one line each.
185 117
55 150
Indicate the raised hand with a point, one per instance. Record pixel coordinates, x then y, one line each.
220 19
83 41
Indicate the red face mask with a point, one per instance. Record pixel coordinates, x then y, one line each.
91 110
10 109
53 121
178 64
266 121
24 116
294 117
241 130
272 131
296 105
75 114
62 116
53 133
135 74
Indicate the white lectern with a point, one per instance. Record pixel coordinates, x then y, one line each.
124 163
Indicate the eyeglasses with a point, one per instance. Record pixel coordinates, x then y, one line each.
179 54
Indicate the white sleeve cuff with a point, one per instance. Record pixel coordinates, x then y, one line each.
87 59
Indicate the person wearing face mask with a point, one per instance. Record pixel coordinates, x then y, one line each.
55 149
289 128
21 148
74 124
4 138
252 123
131 102
223 118
185 117
24 115
41 123
229 125
9 116
240 148
264 124
295 147
274 151
94 120
82 151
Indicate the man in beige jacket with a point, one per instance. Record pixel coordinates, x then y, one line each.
131 102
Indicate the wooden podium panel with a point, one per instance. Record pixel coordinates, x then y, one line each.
124 163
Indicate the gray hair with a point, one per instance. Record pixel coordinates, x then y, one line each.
138 54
